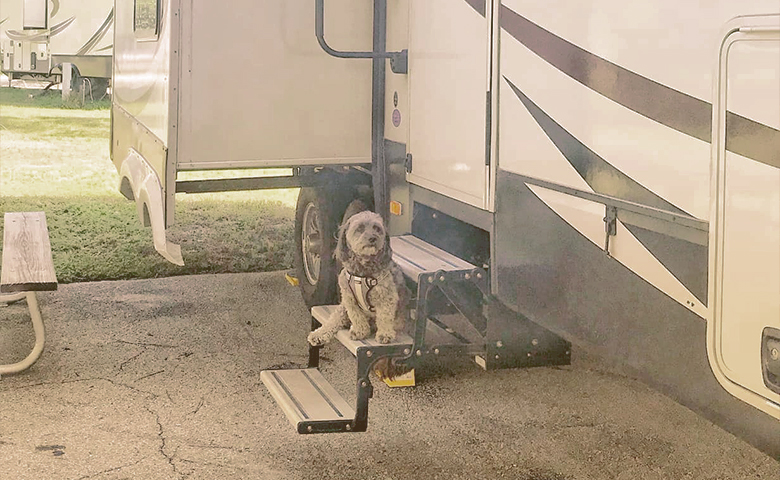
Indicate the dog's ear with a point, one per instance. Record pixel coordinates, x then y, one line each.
342 249
387 252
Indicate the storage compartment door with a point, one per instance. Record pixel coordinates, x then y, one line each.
448 91
746 226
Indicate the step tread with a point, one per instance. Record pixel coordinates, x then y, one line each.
415 256
322 312
305 396
352 345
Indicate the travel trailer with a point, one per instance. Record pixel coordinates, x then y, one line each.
595 173
38 36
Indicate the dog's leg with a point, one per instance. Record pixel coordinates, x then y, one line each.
404 294
327 331
385 323
361 328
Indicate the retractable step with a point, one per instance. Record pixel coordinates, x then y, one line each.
416 257
434 329
311 404
321 314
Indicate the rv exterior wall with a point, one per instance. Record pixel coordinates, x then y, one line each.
616 101
657 41
258 90
87 27
37 35
142 81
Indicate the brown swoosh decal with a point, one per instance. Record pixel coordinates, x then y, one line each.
98 35
478 5
665 105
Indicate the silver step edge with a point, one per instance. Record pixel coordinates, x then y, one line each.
415 256
306 397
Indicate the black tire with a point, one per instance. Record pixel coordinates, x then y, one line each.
317 218
98 87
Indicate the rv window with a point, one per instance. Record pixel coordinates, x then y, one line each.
147 19
34 14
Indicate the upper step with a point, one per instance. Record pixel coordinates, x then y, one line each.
311 404
415 256
321 314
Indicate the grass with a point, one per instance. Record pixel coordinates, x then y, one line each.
55 158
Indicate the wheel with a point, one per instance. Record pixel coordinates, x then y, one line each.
317 218
98 87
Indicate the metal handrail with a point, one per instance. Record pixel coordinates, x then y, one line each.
398 60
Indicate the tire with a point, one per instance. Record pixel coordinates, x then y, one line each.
98 87
317 218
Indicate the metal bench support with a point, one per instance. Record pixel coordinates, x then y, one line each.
37 321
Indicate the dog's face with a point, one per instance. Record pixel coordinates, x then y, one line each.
364 234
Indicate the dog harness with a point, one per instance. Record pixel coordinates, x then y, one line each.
360 286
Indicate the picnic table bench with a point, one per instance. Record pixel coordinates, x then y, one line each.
26 268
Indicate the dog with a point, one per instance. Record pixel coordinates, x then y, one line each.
372 286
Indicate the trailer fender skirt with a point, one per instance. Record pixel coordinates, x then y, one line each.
147 192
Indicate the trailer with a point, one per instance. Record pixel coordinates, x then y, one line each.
590 174
38 36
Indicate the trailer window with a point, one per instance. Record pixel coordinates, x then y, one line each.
34 14
146 21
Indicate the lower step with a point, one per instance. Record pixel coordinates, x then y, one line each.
309 401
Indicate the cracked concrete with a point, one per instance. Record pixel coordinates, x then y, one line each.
159 379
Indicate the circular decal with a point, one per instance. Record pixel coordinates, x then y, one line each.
396 117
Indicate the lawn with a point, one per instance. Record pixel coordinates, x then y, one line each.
55 159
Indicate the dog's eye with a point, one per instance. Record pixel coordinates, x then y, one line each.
360 228
377 229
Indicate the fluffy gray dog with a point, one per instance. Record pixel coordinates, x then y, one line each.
371 284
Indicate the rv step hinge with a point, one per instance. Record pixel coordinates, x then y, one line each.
408 163
610 225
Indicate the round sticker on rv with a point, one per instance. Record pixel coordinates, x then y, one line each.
396 117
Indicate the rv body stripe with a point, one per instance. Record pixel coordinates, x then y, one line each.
98 35
658 102
37 35
604 178
478 5
665 105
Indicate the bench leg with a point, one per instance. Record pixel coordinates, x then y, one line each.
37 321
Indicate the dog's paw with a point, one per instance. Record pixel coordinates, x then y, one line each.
385 337
318 338
359 332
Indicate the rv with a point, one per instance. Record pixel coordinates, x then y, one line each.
38 36
594 173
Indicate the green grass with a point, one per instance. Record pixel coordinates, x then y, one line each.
56 159
36 98
100 238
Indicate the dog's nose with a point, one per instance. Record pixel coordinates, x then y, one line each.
372 239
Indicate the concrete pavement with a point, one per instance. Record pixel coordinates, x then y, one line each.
159 379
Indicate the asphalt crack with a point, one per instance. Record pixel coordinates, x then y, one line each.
91 379
122 365
164 443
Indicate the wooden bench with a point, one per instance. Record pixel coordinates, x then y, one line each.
26 268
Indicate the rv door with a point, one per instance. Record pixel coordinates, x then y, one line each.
744 335
450 54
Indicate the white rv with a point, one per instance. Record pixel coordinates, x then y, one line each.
610 171
38 36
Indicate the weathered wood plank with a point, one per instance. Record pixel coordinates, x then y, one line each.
27 263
